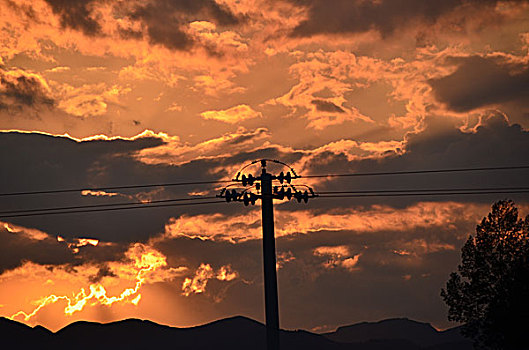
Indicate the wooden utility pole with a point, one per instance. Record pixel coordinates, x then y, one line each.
269 261
261 187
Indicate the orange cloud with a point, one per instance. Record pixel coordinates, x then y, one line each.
98 193
203 274
242 227
87 100
178 153
216 226
217 42
327 77
304 99
77 243
232 115
29 233
143 265
338 256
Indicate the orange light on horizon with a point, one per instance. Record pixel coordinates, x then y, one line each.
145 261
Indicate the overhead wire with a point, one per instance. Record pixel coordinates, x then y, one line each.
428 190
323 194
142 206
419 194
111 188
104 205
410 172
190 183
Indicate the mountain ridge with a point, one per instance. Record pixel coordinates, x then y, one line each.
234 333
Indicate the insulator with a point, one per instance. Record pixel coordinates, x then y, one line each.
246 199
253 198
281 177
288 194
288 177
251 179
298 196
275 189
228 196
234 195
244 180
305 196
281 193
258 186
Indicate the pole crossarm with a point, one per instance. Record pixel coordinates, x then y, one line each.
252 185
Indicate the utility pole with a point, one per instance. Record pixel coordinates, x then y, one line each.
261 187
269 260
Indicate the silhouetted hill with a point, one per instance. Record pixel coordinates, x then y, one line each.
232 333
418 333
16 335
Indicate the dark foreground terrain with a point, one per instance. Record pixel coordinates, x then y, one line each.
232 333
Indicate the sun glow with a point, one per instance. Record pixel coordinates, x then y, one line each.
145 261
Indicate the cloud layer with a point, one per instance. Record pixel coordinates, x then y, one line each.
111 93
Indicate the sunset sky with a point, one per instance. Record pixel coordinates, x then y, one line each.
97 93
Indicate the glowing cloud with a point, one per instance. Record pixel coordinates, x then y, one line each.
145 262
338 256
77 243
30 233
239 228
203 274
98 193
175 152
232 115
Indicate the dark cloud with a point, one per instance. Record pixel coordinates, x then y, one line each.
104 271
161 20
76 14
439 146
164 18
385 16
20 90
56 162
37 162
18 247
327 106
46 162
480 82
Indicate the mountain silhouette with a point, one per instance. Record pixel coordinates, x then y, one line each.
235 333
418 333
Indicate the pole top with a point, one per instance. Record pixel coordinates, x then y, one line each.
252 186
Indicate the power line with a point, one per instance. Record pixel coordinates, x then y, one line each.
102 205
356 192
411 172
329 194
419 194
456 190
144 206
111 188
